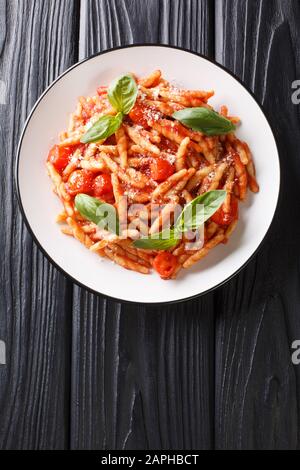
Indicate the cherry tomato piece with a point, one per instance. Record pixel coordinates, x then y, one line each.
60 157
80 181
102 90
140 114
165 263
225 218
102 185
161 169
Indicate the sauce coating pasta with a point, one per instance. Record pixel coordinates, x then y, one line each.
151 164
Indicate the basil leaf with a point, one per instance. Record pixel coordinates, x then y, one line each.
87 206
103 128
100 213
108 218
194 215
204 120
159 241
122 93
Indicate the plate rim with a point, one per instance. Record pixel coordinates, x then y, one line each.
43 250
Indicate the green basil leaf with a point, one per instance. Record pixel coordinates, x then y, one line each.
159 241
194 214
199 210
108 218
100 213
122 93
204 120
103 128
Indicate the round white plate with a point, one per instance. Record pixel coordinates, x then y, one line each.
40 206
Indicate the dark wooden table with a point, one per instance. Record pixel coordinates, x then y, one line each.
85 372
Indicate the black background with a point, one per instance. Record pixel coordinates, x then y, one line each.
83 372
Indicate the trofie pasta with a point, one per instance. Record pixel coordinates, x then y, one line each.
150 176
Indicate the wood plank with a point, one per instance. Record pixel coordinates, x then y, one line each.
36 44
257 386
143 377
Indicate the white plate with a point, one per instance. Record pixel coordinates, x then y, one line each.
40 206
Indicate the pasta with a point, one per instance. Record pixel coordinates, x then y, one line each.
150 165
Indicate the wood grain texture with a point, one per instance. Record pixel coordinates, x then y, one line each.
111 23
36 44
143 377
257 387
85 372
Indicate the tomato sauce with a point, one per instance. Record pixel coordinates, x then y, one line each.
168 145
